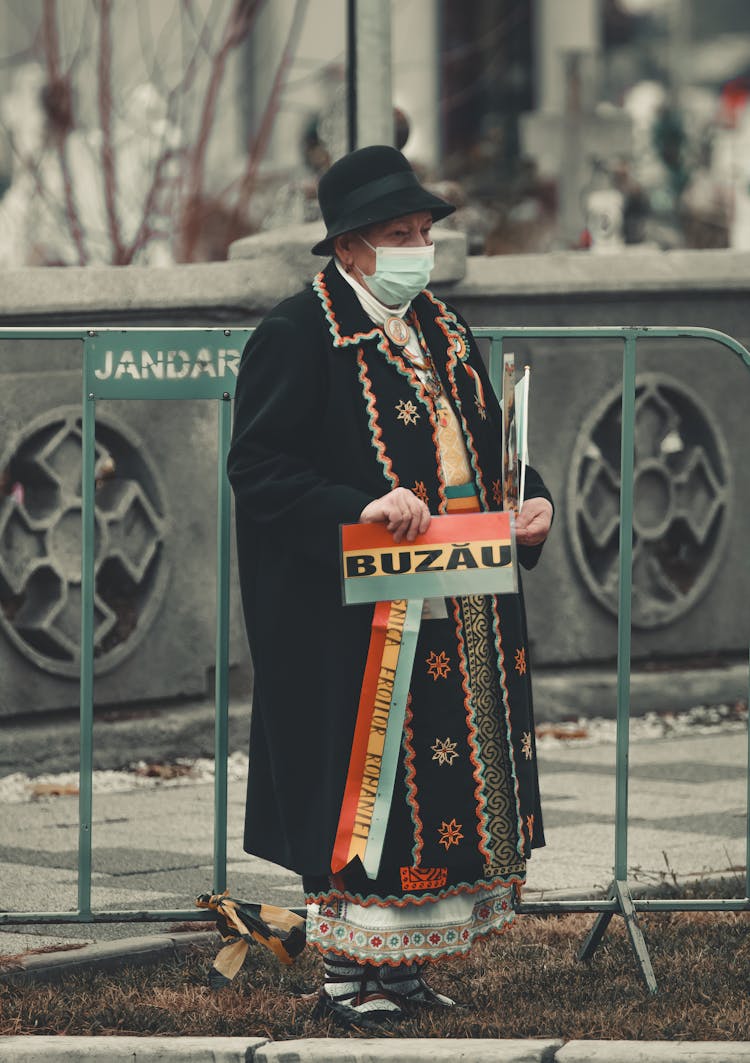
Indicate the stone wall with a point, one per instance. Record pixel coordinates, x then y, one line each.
691 579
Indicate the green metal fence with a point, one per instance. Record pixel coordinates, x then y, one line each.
202 364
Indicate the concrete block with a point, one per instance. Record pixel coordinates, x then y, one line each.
133 1049
539 278
408 1050
155 583
104 956
565 694
226 293
654 1052
286 256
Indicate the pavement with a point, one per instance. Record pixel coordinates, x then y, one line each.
152 848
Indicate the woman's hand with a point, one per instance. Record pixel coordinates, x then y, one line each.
403 514
533 522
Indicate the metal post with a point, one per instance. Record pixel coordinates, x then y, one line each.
221 732
747 804
624 608
620 890
573 164
496 367
351 75
88 550
373 72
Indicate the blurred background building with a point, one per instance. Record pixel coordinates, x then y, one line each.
156 131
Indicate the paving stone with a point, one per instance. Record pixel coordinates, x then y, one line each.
729 824
132 1049
108 860
24 890
654 1052
407 1050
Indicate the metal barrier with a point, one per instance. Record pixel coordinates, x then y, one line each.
146 364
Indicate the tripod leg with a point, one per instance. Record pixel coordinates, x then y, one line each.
637 940
595 935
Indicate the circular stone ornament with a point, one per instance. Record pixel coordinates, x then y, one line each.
40 542
682 490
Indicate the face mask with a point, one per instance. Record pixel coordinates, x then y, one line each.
400 272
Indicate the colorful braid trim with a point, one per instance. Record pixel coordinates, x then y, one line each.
319 286
372 416
506 706
481 801
457 348
431 407
517 879
411 786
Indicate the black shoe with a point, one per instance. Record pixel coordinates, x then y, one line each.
427 995
407 985
363 1010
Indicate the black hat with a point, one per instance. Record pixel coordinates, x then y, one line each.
371 185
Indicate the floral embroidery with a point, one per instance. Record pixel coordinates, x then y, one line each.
407 411
444 751
521 661
526 749
438 665
450 834
530 826
420 491
481 408
497 493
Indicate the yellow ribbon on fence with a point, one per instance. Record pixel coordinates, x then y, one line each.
240 922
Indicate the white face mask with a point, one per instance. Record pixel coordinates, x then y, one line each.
400 272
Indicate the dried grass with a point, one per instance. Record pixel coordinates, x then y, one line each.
527 983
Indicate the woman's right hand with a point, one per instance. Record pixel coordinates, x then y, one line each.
403 514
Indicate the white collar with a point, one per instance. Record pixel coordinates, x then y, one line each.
377 312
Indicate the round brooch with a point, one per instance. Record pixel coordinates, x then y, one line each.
396 330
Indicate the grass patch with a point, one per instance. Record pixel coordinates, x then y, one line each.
525 983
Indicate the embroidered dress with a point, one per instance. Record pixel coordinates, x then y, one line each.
441 912
329 415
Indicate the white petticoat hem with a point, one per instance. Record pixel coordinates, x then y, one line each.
422 932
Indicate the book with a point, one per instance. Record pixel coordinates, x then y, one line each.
515 410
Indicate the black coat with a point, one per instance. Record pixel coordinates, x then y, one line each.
318 434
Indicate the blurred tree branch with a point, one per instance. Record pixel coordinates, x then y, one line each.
59 108
237 28
140 172
262 139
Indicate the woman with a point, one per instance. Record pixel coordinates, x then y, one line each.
364 399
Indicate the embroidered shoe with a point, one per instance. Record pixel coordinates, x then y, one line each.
363 1010
406 983
353 995
427 995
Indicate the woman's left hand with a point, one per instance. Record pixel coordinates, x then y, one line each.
533 522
